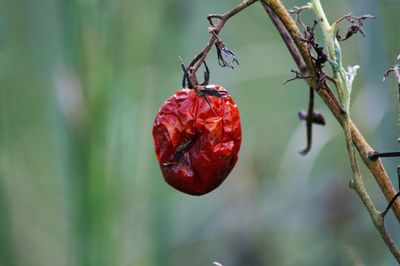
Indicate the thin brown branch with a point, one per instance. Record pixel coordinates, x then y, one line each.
352 133
297 10
288 40
280 12
311 67
214 30
309 122
298 75
375 167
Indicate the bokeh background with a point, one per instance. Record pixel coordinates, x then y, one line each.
80 84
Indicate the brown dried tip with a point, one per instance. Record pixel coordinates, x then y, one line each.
358 23
222 53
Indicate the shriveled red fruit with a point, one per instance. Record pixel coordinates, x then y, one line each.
196 146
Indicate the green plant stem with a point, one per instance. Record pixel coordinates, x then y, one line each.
291 34
281 17
326 28
334 54
301 54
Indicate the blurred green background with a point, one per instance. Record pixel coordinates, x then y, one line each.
81 82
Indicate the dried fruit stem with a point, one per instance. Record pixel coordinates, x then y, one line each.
201 56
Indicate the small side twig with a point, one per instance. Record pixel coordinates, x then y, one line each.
297 10
288 40
357 25
214 30
396 71
309 122
298 75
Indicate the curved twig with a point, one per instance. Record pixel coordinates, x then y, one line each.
214 30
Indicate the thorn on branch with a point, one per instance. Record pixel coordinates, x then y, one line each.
298 75
351 184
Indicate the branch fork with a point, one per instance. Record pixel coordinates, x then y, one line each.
342 81
302 47
222 51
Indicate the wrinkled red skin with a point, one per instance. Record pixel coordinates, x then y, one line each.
197 149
